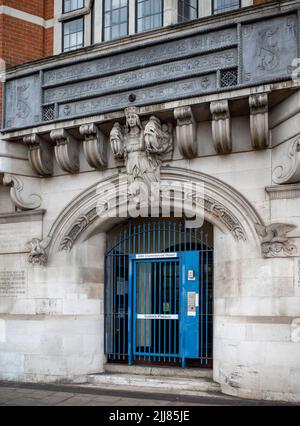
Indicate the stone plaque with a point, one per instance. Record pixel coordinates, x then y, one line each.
152 75
167 51
23 101
159 93
15 236
269 47
13 283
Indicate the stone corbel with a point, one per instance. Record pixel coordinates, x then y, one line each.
274 240
186 131
23 192
221 126
94 146
66 150
38 251
259 120
40 154
287 158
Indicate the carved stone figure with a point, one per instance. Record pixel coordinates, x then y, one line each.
38 254
274 240
141 148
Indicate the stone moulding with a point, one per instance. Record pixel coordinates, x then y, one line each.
186 132
66 150
40 154
21 192
274 240
259 120
221 126
289 169
94 146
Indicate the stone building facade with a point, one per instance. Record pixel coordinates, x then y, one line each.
203 106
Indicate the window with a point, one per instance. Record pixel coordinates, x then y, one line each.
73 34
149 14
187 10
115 19
70 5
220 6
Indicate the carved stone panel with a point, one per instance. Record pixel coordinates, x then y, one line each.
20 109
286 162
24 191
268 47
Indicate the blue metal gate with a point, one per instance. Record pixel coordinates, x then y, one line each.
159 294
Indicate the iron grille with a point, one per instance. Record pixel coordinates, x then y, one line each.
229 77
49 112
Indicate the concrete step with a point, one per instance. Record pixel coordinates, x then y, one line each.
159 371
168 383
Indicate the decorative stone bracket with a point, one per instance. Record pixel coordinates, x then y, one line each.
94 146
274 240
259 120
38 254
66 150
186 132
40 154
221 126
287 169
24 192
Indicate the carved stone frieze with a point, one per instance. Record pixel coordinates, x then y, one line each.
22 192
274 240
38 251
287 169
40 154
221 126
186 131
259 120
66 150
94 146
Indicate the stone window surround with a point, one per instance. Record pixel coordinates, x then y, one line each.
170 18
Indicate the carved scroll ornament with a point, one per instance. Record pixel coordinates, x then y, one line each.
186 132
259 120
40 154
94 146
221 126
22 192
289 169
66 150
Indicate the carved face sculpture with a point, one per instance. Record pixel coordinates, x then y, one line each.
132 120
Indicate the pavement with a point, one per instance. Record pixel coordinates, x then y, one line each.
31 394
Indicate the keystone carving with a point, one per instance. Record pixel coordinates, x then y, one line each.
274 240
94 146
259 120
186 132
40 154
21 194
221 126
141 148
288 171
66 150
38 254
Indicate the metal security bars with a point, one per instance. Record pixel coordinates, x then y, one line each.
144 298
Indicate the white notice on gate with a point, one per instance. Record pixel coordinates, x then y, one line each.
156 316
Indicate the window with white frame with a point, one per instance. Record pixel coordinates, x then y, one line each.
187 10
73 34
220 6
149 14
71 5
115 19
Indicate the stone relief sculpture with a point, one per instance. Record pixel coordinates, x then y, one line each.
287 158
274 240
38 254
141 148
23 192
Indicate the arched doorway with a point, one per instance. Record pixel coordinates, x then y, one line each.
159 293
